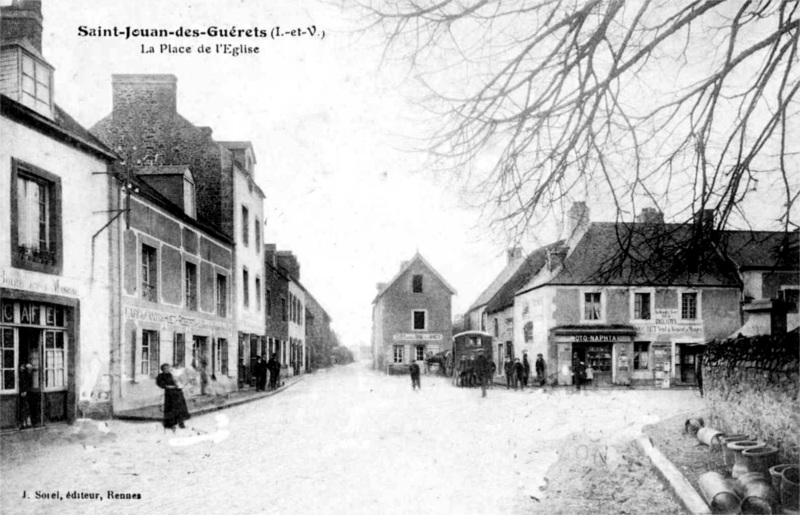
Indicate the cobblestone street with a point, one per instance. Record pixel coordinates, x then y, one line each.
350 440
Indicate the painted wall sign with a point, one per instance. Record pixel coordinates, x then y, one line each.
414 337
159 317
595 338
668 321
18 280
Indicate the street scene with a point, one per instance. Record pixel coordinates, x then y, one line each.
399 256
351 441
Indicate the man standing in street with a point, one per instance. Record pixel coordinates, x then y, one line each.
526 370
508 368
274 371
482 370
540 369
519 373
260 370
414 369
578 371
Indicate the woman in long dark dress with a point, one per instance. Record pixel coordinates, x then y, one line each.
25 387
175 410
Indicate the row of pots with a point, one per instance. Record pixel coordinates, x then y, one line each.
760 485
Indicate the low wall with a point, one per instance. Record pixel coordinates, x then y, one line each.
751 386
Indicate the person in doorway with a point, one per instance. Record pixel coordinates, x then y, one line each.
274 371
519 374
175 410
414 370
589 376
526 370
260 370
508 368
578 371
698 372
541 369
25 387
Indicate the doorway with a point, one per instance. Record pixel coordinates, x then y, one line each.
688 355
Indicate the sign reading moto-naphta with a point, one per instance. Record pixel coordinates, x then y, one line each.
596 338
416 337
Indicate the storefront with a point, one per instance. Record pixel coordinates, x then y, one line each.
606 349
39 340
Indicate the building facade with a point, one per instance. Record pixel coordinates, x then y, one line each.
276 285
55 290
411 316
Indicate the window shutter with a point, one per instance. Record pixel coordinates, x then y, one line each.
154 354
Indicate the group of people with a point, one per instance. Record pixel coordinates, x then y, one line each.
582 375
263 368
473 371
518 373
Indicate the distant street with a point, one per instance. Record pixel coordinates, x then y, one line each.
347 440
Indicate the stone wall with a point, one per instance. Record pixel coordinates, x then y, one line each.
751 386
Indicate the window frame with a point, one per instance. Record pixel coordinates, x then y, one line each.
638 352
245 226
583 304
52 186
153 354
697 304
424 319
398 354
417 283
23 95
268 302
149 288
245 288
14 369
642 291
221 283
191 297
258 293
179 349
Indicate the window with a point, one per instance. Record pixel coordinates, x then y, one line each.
419 352
640 355
36 215
54 359
221 365
419 320
199 352
416 283
284 310
246 288
190 286
188 198
268 302
257 229
592 308
641 306
496 325
245 226
149 274
689 306
35 84
258 294
222 295
398 354
527 331
9 357
149 354
179 350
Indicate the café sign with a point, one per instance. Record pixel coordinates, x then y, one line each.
404 337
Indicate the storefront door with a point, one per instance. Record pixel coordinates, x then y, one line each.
688 355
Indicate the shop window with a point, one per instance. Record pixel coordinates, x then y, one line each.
689 306
416 283
419 320
179 350
641 306
222 295
592 306
258 294
54 360
419 352
245 226
149 354
641 353
246 288
9 364
36 219
221 365
149 273
190 286
398 354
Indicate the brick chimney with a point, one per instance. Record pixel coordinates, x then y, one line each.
556 257
22 20
270 250
577 219
380 286
148 97
650 215
288 261
513 254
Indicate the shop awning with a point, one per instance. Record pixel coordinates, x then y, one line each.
611 329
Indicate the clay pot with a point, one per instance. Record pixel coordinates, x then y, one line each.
739 466
790 488
709 436
758 494
727 454
719 493
693 425
760 459
776 474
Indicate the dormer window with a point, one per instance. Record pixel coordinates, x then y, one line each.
36 84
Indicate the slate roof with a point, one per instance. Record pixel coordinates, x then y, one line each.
495 285
762 249
504 297
417 257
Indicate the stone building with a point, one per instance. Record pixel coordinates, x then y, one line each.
55 274
319 338
476 316
146 127
295 354
411 316
276 295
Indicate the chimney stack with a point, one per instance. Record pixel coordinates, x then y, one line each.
650 215
289 263
513 254
556 257
22 20
380 286
577 219
145 97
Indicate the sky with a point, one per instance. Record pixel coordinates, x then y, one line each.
328 121
331 124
